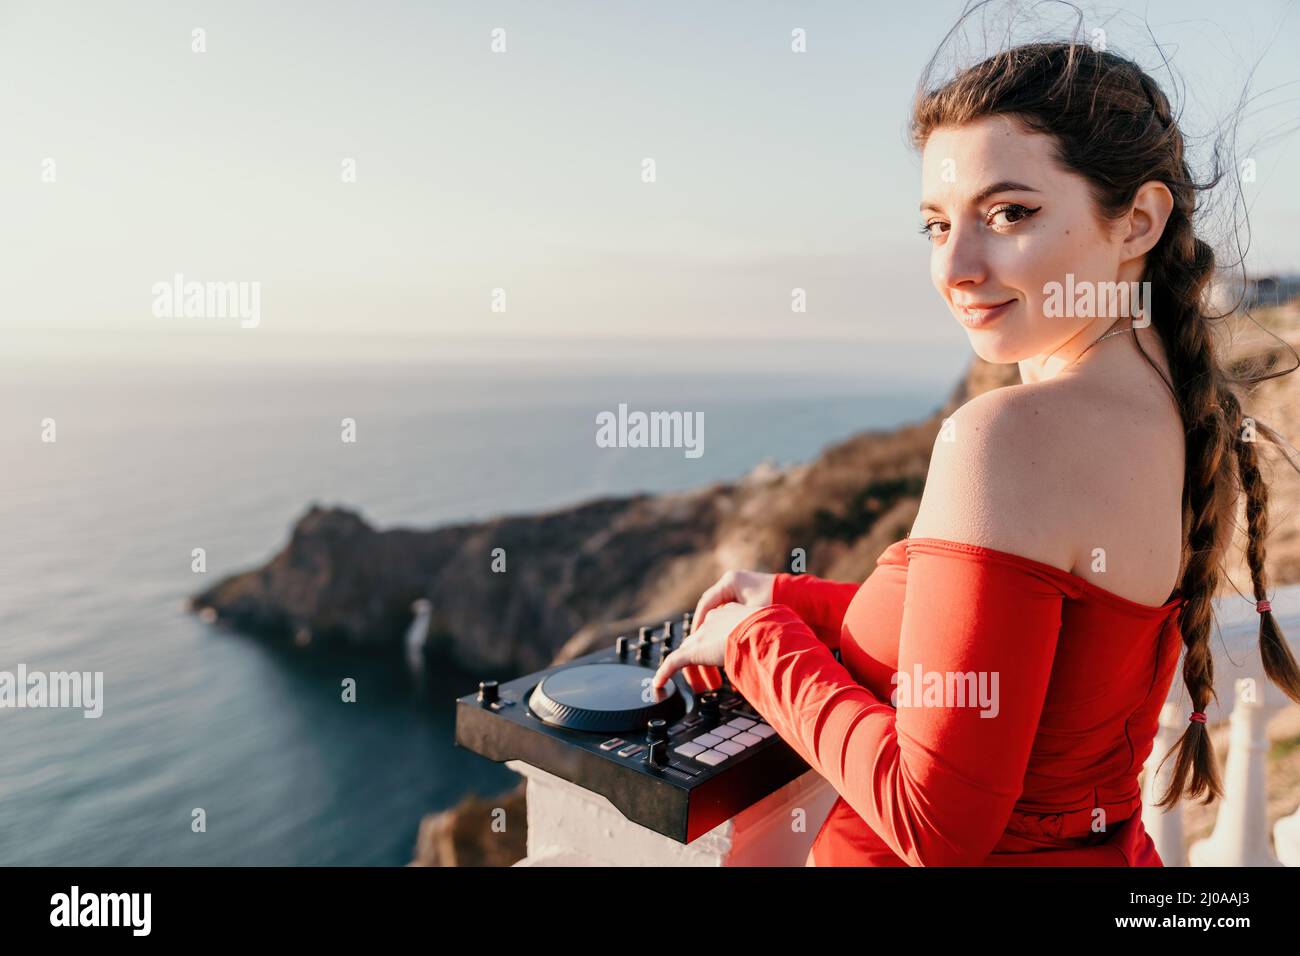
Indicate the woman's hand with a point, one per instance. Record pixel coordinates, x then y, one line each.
751 588
707 645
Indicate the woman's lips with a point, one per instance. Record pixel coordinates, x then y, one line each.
977 317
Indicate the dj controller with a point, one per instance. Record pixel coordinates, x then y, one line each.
678 761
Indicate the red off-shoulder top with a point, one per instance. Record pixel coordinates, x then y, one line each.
989 709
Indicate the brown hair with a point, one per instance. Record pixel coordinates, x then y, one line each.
1112 125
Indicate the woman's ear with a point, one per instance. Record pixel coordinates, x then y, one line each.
1146 219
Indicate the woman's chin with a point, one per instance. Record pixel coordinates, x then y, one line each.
992 347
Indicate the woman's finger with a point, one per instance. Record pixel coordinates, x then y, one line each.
708 601
670 665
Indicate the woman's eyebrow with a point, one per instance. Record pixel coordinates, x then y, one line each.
1006 186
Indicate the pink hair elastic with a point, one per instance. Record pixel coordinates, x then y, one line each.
1198 716
1262 606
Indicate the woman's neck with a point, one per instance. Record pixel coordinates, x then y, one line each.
1101 356
1070 353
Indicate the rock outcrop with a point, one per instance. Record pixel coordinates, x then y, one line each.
478 831
341 583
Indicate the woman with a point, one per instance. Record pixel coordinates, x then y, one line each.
1004 666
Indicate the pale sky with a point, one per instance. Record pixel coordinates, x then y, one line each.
519 170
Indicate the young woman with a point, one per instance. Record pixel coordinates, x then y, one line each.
1003 667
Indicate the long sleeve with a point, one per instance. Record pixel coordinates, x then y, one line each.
819 602
936 783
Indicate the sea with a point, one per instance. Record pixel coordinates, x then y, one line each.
213 748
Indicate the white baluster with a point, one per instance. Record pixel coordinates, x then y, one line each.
1286 837
1164 826
1240 836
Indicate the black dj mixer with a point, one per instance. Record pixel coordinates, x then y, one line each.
676 761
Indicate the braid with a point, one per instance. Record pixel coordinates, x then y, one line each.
1179 269
1279 663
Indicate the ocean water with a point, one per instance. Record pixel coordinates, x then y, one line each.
148 464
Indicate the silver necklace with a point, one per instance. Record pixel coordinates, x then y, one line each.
1104 335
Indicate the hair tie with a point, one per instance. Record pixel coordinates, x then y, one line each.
1262 606
1198 716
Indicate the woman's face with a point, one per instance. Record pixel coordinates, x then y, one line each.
1005 220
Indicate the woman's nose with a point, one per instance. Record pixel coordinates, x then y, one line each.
960 260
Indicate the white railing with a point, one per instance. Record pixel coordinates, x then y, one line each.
1240 836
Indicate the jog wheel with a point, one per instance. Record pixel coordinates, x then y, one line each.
604 698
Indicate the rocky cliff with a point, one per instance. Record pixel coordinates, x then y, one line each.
341 583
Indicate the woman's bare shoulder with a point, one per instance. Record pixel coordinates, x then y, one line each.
1053 471
995 475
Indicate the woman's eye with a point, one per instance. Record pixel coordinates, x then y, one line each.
1013 211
